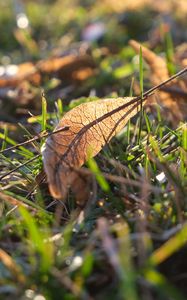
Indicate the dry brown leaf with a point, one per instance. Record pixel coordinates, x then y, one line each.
63 67
82 74
161 6
181 53
173 102
26 71
184 62
89 127
120 6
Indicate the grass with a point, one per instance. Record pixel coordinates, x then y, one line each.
129 240
141 91
58 248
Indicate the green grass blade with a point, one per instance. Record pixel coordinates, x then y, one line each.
4 144
169 53
128 274
10 141
39 240
59 105
141 72
131 87
44 113
141 92
171 246
163 286
184 137
98 174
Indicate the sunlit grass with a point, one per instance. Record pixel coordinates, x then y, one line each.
124 243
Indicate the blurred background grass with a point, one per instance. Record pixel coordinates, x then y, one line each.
32 28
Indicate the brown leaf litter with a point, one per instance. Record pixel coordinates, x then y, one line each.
173 99
62 67
22 83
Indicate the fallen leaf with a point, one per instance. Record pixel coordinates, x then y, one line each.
121 6
15 74
173 101
63 67
161 6
82 74
20 84
89 127
181 56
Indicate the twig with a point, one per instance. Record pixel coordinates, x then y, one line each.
119 179
35 138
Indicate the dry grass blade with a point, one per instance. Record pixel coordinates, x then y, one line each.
14 202
12 266
35 138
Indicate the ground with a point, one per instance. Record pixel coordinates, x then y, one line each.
119 232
